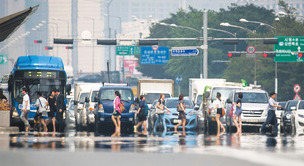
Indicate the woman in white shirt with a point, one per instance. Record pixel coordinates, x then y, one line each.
41 102
219 105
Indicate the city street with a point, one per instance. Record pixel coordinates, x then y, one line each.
83 148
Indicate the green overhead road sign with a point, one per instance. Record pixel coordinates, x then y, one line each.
288 48
127 50
3 59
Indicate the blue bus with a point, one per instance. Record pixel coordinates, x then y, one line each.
36 73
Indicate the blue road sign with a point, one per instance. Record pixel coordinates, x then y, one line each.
151 56
184 51
178 79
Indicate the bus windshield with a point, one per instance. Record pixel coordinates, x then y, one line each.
108 94
34 83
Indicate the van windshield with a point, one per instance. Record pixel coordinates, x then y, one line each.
253 98
225 92
151 97
108 94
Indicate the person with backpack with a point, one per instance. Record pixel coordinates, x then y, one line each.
238 113
141 114
116 113
219 106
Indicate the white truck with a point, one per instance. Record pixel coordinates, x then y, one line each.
197 86
152 88
83 92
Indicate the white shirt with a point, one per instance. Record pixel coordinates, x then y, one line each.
26 99
218 102
43 102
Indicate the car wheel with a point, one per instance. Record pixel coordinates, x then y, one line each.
293 128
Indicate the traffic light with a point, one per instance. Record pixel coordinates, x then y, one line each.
147 42
300 54
37 41
269 55
234 54
69 47
48 48
106 42
63 41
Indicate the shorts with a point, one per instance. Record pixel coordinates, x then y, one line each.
43 117
116 113
238 112
182 115
219 111
142 118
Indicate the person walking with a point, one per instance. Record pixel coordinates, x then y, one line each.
41 102
25 108
219 105
271 116
141 114
238 113
161 105
116 113
61 107
181 108
52 114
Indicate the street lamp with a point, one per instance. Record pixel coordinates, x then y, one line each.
257 22
56 34
289 14
192 29
226 24
220 30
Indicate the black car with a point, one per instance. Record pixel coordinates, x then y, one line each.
285 124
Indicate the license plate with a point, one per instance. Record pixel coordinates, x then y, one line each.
177 121
251 120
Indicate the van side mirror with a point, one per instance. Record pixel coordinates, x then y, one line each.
87 100
69 88
228 101
207 95
196 108
96 99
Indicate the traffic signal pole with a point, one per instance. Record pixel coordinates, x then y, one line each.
205 44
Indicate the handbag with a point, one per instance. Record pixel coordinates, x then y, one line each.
179 108
223 112
231 111
43 110
158 110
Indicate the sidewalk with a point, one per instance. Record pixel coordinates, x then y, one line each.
9 129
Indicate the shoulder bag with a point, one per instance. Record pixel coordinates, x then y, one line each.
43 109
179 108
158 110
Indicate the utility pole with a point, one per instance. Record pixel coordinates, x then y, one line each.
205 44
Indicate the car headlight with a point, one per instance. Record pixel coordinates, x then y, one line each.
132 109
301 116
100 108
288 116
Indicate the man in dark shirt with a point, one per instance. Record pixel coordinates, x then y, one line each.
61 107
141 114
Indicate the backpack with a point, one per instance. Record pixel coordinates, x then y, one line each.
122 107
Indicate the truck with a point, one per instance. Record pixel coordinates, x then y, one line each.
152 88
81 92
197 86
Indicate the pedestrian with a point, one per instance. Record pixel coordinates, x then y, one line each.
219 105
271 116
52 114
116 113
238 113
141 114
2 97
181 108
61 107
41 103
25 108
161 105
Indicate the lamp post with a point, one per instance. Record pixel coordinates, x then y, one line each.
192 29
109 31
220 30
68 31
275 33
289 14
56 34
226 24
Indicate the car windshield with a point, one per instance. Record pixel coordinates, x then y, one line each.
199 99
108 94
150 97
251 97
82 97
172 103
224 93
290 104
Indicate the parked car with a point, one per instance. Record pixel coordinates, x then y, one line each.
104 111
254 107
280 109
297 118
285 124
70 115
172 118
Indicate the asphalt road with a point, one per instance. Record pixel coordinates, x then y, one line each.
71 148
